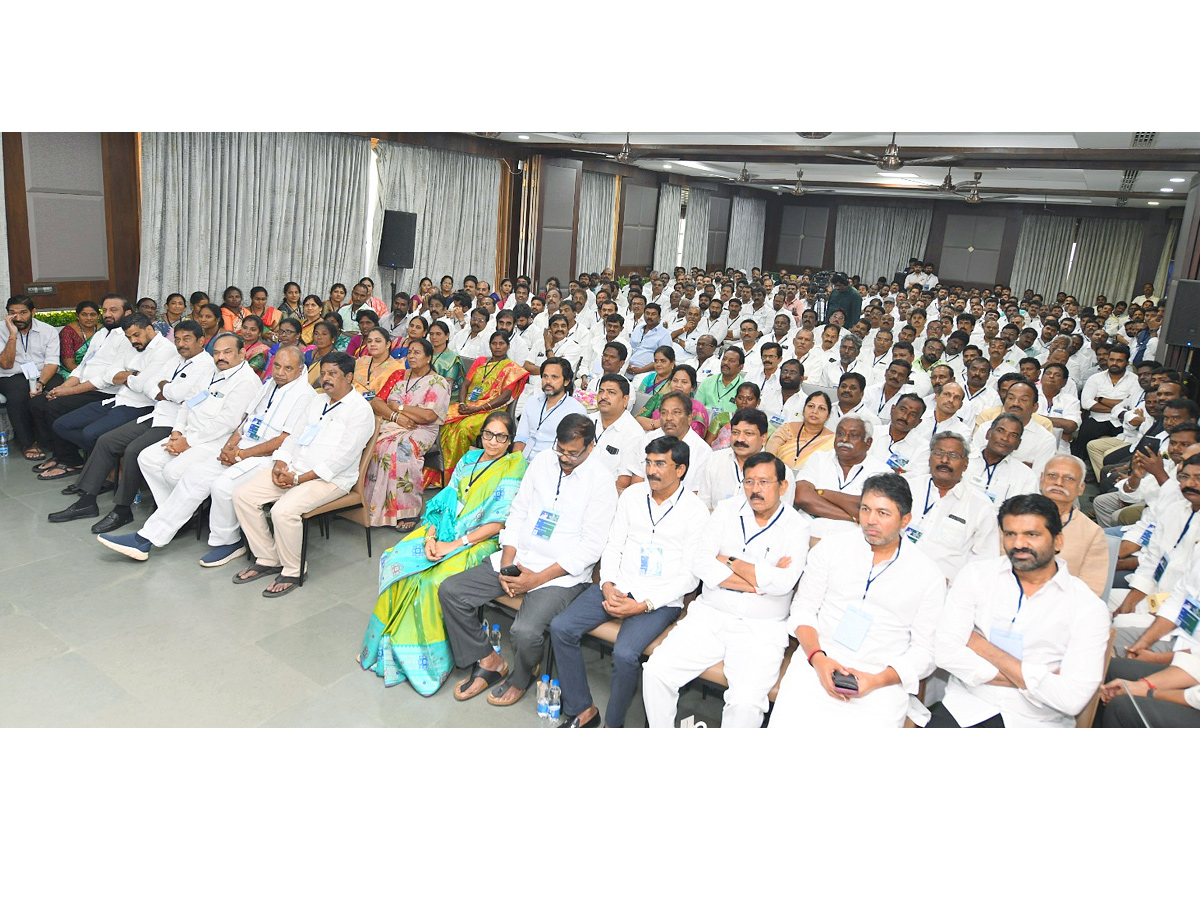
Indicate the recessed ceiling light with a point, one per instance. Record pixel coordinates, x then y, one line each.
1152 203
1177 180
1166 190
522 137
778 188
898 175
666 165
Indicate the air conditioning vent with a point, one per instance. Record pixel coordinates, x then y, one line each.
1144 139
1128 177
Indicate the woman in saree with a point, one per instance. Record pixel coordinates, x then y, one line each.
490 385
445 361
75 337
366 320
412 405
270 316
290 306
683 379
288 334
257 353
794 442
208 317
342 340
747 397
656 382
405 639
372 370
324 335
232 310
313 313
418 330
172 314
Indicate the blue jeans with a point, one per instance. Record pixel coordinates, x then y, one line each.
79 430
637 633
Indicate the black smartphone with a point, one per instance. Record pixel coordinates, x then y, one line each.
510 572
844 683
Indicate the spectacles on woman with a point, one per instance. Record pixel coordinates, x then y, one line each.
498 436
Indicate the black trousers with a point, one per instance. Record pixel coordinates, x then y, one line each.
1089 431
1120 711
46 412
124 442
15 389
940 718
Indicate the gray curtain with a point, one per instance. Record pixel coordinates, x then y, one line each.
695 228
5 287
1106 260
871 241
666 230
1043 251
251 208
456 197
1164 261
594 242
747 231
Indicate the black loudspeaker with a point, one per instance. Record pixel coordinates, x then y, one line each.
398 243
1184 327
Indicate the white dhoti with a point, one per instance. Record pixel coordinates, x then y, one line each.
802 704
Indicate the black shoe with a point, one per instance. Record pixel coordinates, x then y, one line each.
73 512
112 522
573 722
71 489
106 487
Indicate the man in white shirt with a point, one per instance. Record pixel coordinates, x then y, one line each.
750 556
1023 640
825 485
619 438
177 381
724 471
1058 404
556 530
993 467
1101 394
767 378
539 422
881 355
472 343
278 407
881 635
902 445
849 360
953 522
879 398
310 469
1037 444
675 414
918 382
946 413
554 343
518 350
29 359
645 571
609 334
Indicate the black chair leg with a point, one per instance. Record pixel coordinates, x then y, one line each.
367 529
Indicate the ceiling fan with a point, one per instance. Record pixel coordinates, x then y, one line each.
890 161
969 190
814 135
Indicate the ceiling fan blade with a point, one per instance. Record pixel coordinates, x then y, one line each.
930 160
864 158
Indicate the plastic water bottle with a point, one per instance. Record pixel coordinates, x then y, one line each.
554 708
543 697
3 444
496 638
137 498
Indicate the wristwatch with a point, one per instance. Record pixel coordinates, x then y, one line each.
649 606
732 560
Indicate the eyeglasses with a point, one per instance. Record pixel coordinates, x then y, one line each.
494 436
760 482
567 455
946 454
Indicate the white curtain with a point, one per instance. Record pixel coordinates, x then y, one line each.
1043 251
456 197
695 228
1106 260
747 231
594 242
666 230
871 241
5 287
1164 261
251 208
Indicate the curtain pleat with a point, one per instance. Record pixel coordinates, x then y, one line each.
695 228
594 242
243 209
747 231
1043 251
5 287
457 201
1106 260
874 241
666 231
1164 260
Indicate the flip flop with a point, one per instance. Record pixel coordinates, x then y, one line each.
259 572
290 584
67 472
465 690
45 466
33 455
494 698
404 526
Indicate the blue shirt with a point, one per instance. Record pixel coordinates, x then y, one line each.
642 346
538 428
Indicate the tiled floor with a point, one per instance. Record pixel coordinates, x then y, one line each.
88 638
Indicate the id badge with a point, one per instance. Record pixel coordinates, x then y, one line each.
1011 642
896 462
308 435
853 629
982 484
368 395
1189 616
1143 539
254 428
1162 566
913 534
775 420
547 521
196 400
650 561
475 394
714 411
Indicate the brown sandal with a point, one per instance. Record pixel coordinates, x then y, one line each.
465 690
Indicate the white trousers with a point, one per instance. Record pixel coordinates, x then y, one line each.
204 477
162 471
752 650
803 705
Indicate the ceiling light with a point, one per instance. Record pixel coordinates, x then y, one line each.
666 165
522 137
1177 180
906 175
1167 190
1152 203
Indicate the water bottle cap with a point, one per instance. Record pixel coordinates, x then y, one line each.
495 628
554 683
545 678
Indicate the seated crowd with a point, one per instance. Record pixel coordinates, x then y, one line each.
884 479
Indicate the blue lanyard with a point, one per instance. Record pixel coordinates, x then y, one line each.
546 410
741 521
328 409
991 470
182 368
873 576
1185 529
1020 597
650 512
741 477
271 399
841 486
928 505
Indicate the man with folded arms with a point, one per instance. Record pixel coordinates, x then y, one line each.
825 486
867 606
312 467
645 571
177 381
1023 639
279 409
724 471
619 438
750 556
554 535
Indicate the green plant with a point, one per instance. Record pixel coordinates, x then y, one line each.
57 318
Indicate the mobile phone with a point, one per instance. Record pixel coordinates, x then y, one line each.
510 572
845 683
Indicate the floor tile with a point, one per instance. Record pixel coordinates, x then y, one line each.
64 691
322 646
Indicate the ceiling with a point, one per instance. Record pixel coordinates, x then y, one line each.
1132 169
